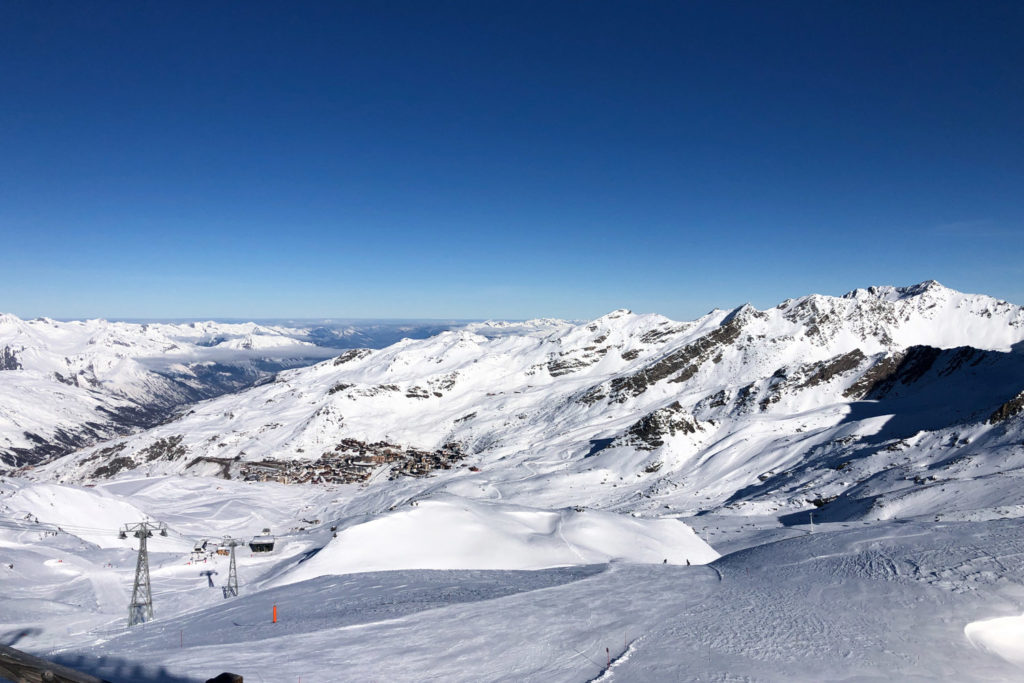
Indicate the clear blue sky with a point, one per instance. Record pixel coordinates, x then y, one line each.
503 159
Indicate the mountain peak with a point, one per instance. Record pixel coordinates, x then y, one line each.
891 293
742 312
926 287
617 313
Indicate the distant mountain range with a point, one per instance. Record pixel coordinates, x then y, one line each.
863 405
64 385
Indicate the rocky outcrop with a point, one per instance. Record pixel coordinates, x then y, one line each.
875 376
169 448
650 431
1012 408
9 359
677 366
352 355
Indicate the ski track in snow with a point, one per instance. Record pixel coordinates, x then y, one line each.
861 601
864 601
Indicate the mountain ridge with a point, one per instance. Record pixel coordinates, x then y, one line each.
68 384
717 403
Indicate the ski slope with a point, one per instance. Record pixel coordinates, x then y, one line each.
873 600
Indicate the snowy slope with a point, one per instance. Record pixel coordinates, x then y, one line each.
865 402
876 600
65 384
455 533
849 469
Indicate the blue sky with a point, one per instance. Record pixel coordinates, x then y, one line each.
503 159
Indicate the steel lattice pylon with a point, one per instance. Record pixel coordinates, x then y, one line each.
140 609
231 590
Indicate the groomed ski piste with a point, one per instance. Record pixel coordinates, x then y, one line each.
448 588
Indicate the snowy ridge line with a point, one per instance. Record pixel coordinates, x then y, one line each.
71 384
819 401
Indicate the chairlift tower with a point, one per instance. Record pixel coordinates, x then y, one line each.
141 607
231 590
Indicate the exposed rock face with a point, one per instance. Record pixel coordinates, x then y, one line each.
876 375
650 431
1012 408
662 333
825 371
9 359
565 366
567 362
114 466
169 448
917 361
678 366
352 355
788 381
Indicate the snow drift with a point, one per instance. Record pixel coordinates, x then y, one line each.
456 533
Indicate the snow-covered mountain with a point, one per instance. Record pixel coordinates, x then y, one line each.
864 403
68 384
451 479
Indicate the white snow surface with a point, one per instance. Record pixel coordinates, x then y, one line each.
60 381
86 513
876 600
755 410
455 533
842 478
1002 636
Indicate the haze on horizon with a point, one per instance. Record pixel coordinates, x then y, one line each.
471 161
